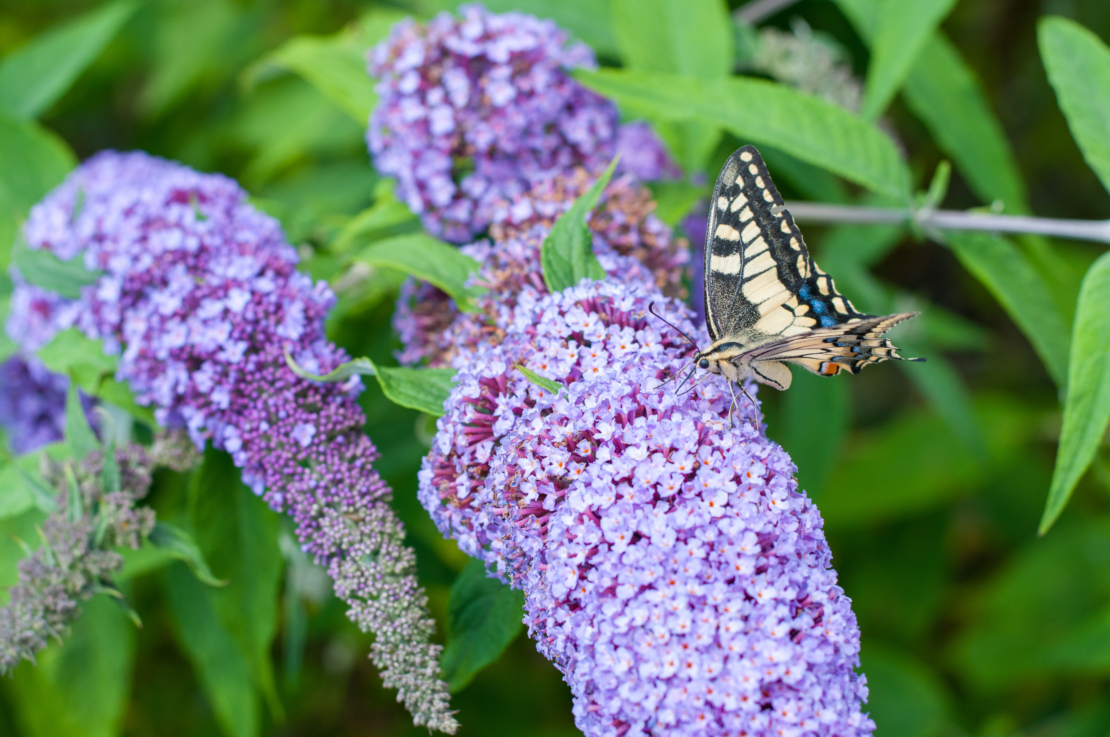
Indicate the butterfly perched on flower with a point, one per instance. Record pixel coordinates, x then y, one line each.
766 301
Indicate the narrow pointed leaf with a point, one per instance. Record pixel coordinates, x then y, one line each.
540 381
903 30
79 436
220 666
180 544
1021 290
765 113
943 92
567 256
33 77
1087 407
1078 66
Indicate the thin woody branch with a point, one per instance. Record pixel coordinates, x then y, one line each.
927 219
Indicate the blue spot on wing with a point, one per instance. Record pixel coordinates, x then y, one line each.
827 321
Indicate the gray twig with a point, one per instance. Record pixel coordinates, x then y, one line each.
1086 230
758 10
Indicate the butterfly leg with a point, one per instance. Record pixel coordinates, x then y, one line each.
752 400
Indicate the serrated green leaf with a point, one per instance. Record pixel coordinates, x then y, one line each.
1078 66
765 113
483 617
33 77
79 436
540 381
80 689
1021 290
567 256
903 30
423 389
220 666
180 545
1087 406
427 259
35 160
43 269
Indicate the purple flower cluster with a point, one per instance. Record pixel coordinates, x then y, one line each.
202 299
32 403
632 243
672 569
473 109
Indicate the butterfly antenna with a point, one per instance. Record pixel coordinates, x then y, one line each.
689 340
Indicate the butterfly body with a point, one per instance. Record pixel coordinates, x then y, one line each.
766 301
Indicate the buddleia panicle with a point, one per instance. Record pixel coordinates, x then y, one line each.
201 298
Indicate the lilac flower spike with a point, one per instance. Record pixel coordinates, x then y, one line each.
201 298
672 569
476 108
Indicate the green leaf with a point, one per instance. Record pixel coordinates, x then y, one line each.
1078 66
386 217
73 353
944 94
79 436
35 161
180 545
814 446
692 37
421 389
80 689
567 256
221 667
22 486
1021 290
238 535
765 113
335 65
427 259
903 30
483 617
906 698
1087 406
35 76
43 269
540 381
675 200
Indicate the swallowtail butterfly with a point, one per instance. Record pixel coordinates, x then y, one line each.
766 301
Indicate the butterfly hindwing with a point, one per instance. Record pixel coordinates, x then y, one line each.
829 350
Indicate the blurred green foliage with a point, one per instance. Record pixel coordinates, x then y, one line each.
932 481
